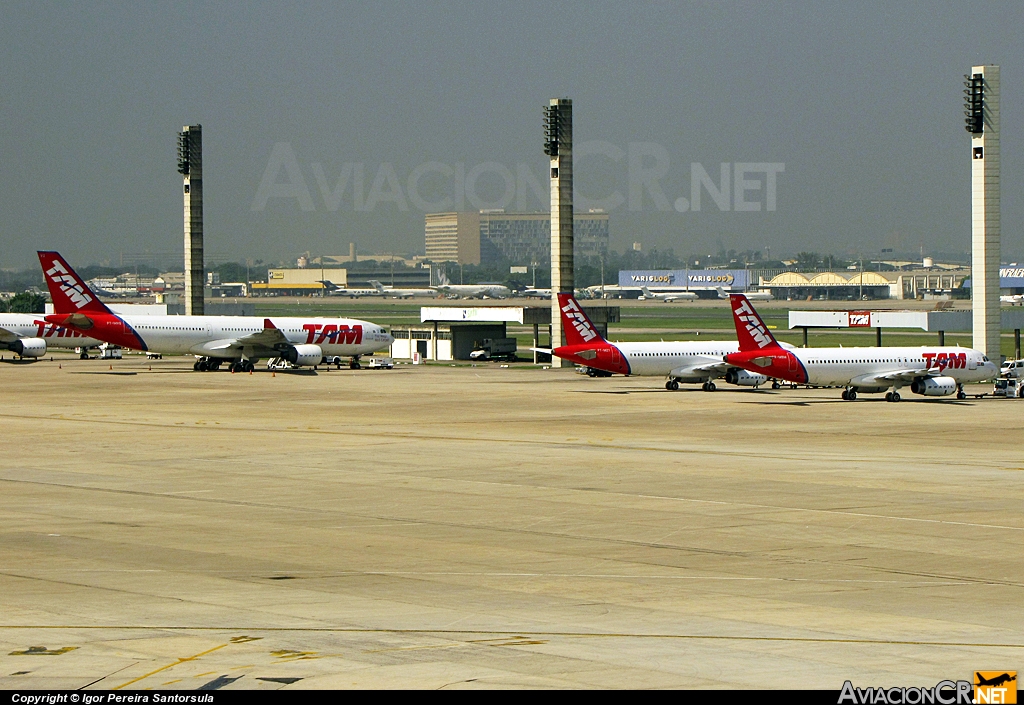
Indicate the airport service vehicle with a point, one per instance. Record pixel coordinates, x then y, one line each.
494 349
1009 387
28 335
691 362
751 295
110 352
928 371
1012 368
381 363
240 341
392 292
472 291
668 298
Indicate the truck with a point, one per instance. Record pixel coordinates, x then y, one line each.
110 352
1009 387
494 349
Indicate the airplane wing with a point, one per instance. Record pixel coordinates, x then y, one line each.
269 337
8 336
906 375
710 368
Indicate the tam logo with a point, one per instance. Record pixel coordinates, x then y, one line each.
52 330
333 334
579 321
943 361
66 281
753 325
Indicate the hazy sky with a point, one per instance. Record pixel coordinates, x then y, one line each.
855 109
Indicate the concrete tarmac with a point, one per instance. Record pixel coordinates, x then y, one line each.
463 527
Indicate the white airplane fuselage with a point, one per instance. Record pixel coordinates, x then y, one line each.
867 368
203 335
662 358
32 325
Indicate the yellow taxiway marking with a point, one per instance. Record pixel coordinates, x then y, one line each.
171 665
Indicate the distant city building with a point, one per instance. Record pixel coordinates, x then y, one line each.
495 237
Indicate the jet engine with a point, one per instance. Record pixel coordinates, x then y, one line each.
303 355
744 378
933 386
28 347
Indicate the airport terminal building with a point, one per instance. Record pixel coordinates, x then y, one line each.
493 236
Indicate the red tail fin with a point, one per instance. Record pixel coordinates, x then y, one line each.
69 293
578 328
751 331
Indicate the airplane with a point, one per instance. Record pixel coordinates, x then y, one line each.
679 361
1013 300
649 295
472 291
391 291
928 371
751 295
27 335
239 340
535 293
335 290
997 680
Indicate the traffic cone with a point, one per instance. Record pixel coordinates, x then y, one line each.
111 367
273 374
250 372
60 366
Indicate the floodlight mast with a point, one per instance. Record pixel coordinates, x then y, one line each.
558 147
190 166
981 109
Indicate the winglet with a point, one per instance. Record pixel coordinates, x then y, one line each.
268 324
751 332
578 327
721 292
67 290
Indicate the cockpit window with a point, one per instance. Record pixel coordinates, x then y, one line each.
985 358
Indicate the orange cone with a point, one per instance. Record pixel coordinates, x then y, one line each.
273 374
60 366
111 367
250 372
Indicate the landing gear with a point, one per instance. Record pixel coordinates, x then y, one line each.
708 387
775 384
206 364
242 366
892 396
849 395
960 394
672 385
84 355
354 363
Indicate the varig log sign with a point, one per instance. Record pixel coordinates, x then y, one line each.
735 279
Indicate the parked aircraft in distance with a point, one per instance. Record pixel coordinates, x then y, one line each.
392 292
335 290
929 371
668 298
472 291
751 295
1013 299
28 335
238 340
535 293
690 362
